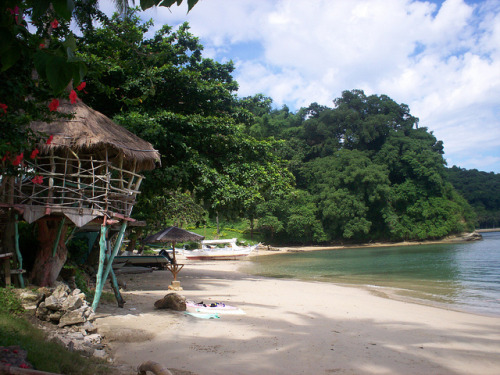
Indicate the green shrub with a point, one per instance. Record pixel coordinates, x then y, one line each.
9 303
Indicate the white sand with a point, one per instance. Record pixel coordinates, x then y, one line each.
293 327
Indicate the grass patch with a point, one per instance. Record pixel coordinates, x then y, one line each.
15 329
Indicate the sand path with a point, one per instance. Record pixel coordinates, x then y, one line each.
293 327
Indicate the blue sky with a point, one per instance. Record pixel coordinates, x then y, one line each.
442 58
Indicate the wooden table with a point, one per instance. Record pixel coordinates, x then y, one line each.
5 259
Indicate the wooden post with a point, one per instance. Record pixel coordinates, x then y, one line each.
102 256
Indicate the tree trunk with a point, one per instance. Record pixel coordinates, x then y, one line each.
47 267
133 240
251 228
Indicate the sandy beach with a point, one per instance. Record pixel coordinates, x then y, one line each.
292 327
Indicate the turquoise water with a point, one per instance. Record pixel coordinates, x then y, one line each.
462 276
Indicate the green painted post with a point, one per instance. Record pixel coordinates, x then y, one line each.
18 252
58 237
116 289
118 244
109 266
102 255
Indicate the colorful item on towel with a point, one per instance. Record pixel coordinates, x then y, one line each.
216 307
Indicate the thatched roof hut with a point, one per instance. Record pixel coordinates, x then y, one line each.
89 169
90 131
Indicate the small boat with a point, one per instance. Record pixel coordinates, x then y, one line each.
159 261
209 251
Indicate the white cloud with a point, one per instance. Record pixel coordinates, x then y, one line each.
443 60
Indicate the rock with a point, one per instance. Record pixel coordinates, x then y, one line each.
172 301
100 354
53 303
42 312
72 303
474 236
88 327
61 291
30 299
72 317
55 316
93 339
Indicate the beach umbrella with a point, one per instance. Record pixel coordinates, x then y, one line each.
173 235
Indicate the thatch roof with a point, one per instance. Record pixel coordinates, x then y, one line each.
173 234
90 131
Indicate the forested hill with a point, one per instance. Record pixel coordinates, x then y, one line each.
361 170
482 191
364 171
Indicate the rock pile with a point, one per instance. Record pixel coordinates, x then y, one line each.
64 307
71 317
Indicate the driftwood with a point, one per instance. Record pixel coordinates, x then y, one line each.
154 367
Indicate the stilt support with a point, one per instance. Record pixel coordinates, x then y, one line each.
102 256
58 236
18 251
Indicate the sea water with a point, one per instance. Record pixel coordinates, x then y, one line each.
460 276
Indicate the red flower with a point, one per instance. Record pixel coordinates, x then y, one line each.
54 24
81 86
7 154
18 159
34 153
49 141
23 365
42 46
4 107
54 104
73 97
37 180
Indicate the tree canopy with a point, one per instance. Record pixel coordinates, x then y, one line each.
165 91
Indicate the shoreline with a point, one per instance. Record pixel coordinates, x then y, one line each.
292 327
267 250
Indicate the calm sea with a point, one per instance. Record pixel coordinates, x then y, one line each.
462 276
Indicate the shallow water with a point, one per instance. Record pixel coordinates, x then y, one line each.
462 276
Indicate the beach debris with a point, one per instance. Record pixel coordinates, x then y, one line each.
153 367
172 301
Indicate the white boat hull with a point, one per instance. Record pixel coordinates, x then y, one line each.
226 253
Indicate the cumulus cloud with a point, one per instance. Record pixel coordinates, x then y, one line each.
442 58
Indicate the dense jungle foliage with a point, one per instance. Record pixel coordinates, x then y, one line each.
361 170
482 191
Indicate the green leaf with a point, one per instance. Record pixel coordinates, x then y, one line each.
9 58
146 4
40 60
64 8
70 42
79 71
40 7
6 39
59 73
191 4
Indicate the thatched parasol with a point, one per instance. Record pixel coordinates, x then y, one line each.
92 131
173 235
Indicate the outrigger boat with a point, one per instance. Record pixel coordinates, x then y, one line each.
211 252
